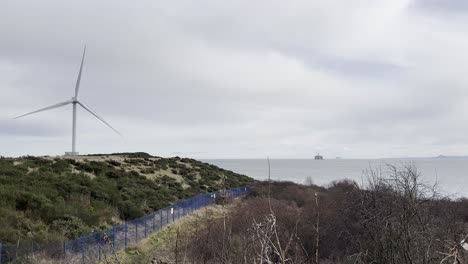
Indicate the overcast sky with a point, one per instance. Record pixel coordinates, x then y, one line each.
238 79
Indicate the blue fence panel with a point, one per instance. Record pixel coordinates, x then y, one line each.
96 246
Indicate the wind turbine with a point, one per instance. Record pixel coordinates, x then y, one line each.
74 101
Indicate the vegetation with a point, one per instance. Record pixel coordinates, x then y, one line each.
51 199
395 218
160 247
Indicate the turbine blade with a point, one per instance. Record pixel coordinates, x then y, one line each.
100 118
77 87
47 108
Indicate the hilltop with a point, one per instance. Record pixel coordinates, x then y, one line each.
45 199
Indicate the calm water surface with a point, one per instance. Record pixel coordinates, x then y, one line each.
450 173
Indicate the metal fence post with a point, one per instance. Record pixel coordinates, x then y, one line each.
99 245
126 230
160 220
64 250
113 236
145 227
1 253
82 250
154 222
136 232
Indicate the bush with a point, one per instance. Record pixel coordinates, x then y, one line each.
45 199
394 219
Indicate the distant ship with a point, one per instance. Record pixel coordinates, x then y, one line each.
318 157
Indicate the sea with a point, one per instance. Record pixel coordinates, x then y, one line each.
449 173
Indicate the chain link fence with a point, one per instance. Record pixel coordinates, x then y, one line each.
97 246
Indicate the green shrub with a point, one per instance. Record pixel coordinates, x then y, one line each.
43 200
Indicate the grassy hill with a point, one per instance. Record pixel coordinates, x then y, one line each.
46 199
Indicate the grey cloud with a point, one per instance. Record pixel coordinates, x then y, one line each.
237 79
445 5
21 128
363 69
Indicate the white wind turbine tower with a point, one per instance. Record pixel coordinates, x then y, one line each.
74 101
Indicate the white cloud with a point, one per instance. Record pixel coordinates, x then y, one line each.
237 79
